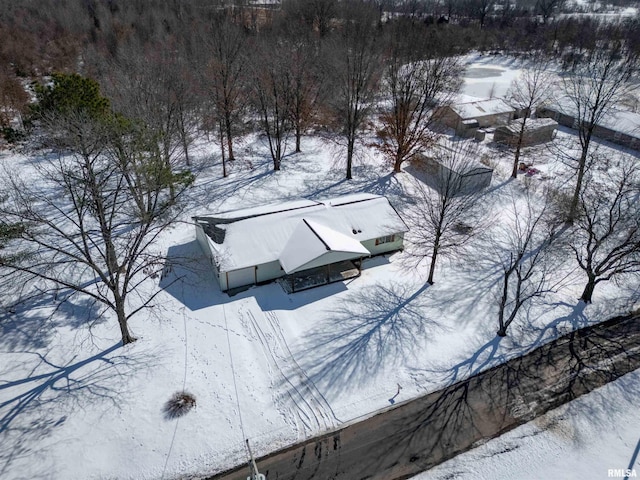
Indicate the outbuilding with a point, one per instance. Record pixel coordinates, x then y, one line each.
457 177
536 131
619 126
307 242
466 118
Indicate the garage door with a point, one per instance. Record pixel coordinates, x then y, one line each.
239 278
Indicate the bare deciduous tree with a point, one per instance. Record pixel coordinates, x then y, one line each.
527 92
592 90
606 235
546 8
444 216
415 87
156 90
272 93
357 73
306 87
480 9
225 75
524 252
91 217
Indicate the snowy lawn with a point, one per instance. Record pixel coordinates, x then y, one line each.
264 365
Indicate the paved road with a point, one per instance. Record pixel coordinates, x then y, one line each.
416 435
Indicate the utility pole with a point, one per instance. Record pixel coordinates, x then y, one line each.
255 475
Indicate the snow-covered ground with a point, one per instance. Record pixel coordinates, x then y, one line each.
264 365
594 436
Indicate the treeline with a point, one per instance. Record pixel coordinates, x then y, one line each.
223 68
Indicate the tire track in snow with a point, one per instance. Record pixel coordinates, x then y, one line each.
319 400
300 403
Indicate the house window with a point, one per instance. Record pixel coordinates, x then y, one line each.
387 239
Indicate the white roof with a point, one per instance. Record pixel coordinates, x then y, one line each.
264 237
481 108
617 120
312 240
532 125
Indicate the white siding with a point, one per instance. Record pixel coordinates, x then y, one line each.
241 277
269 271
397 244
203 241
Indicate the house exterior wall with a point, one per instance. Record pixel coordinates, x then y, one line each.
495 119
397 244
240 277
203 241
272 270
475 182
269 271
446 116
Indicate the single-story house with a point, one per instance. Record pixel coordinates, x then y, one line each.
308 242
619 127
466 118
536 130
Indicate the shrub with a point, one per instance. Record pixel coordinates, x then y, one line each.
179 404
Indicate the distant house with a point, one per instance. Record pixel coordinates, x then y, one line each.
307 242
536 130
466 118
619 127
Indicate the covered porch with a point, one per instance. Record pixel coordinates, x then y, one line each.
323 275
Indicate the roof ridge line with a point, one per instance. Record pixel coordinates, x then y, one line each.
316 234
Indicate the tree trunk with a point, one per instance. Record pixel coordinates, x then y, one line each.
434 257
224 161
573 209
122 321
398 163
587 294
502 330
298 138
349 158
516 160
229 137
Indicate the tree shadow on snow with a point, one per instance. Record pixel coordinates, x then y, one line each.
367 331
33 406
29 322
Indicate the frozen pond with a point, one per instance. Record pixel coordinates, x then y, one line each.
489 77
483 72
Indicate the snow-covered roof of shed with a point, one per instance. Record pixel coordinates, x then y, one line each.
532 125
262 237
462 165
481 108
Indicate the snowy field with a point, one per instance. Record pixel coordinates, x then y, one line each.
584 439
264 365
